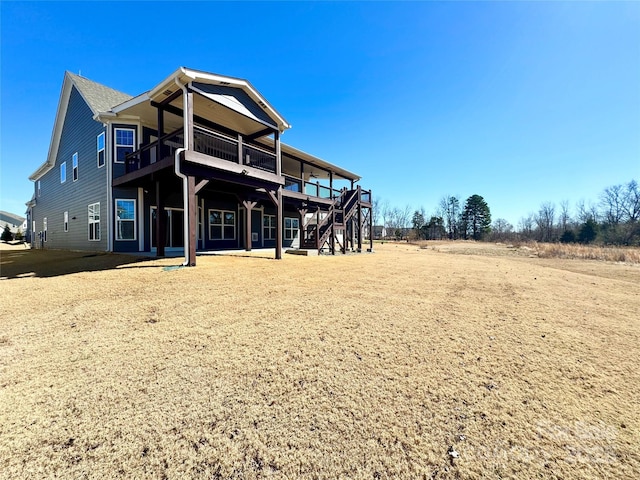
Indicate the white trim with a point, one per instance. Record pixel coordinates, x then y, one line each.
140 214
75 170
104 150
118 220
116 145
90 222
222 224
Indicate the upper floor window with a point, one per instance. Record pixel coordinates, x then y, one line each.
75 166
100 149
63 172
125 142
38 188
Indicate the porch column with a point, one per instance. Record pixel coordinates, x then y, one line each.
161 224
279 224
248 205
276 139
240 159
160 133
371 221
188 135
359 219
193 221
303 227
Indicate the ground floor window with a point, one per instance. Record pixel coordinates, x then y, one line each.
222 225
94 221
66 221
44 229
269 227
125 219
291 226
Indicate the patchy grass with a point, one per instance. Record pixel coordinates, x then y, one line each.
588 252
358 366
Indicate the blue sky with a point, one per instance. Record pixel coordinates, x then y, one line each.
522 103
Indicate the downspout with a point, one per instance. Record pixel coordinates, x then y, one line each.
185 186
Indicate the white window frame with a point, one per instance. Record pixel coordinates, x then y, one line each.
120 221
63 172
74 166
222 225
44 229
267 230
289 231
66 221
101 150
92 221
38 188
116 144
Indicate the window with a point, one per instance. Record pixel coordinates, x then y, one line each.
125 141
222 225
75 166
125 219
290 228
94 222
44 229
269 227
66 221
100 147
38 188
63 172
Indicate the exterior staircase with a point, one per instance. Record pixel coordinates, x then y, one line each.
343 208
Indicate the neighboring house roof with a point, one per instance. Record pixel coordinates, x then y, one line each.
99 99
14 221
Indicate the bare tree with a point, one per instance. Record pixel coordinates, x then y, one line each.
612 202
449 207
526 226
501 229
385 211
544 220
564 218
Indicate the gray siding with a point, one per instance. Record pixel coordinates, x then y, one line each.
79 135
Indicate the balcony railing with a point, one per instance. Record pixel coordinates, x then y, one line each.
207 142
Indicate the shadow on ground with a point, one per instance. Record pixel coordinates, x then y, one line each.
53 263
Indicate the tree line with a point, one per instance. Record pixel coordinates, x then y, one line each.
614 219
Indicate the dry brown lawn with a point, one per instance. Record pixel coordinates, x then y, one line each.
360 366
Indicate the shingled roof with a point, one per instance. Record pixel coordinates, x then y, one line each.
99 97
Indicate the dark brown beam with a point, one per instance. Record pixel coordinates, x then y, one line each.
170 98
188 135
201 184
248 205
198 119
261 133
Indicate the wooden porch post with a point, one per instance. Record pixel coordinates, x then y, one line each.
303 227
276 139
279 223
160 133
248 205
193 220
161 225
359 219
371 221
188 135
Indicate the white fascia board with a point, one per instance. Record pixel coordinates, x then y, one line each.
63 103
186 75
143 97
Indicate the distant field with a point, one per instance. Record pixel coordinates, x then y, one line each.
360 366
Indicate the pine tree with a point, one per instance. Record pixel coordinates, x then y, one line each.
476 217
6 234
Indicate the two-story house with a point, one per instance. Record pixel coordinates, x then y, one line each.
194 164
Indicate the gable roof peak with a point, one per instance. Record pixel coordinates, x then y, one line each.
100 98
